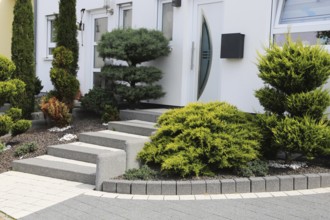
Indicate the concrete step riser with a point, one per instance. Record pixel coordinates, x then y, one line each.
54 173
73 155
149 115
131 129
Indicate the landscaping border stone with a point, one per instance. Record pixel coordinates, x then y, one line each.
216 186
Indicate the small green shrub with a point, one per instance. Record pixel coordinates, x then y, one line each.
5 124
20 126
144 173
14 113
200 139
7 68
25 149
110 114
254 168
96 100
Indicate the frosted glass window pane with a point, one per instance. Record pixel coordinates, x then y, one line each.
98 61
308 38
97 80
100 27
167 20
52 31
127 18
298 11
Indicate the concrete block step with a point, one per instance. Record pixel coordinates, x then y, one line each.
150 115
138 127
56 167
79 151
130 143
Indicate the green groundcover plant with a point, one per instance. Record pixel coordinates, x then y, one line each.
200 139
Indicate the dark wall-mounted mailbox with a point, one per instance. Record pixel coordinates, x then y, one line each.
232 45
176 3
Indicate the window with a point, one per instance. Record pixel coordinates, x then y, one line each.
165 18
51 36
306 20
125 16
99 28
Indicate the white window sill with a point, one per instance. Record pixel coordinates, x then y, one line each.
48 59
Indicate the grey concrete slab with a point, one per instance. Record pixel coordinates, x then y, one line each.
150 115
110 186
325 179
228 186
154 188
198 187
139 187
168 187
124 186
299 182
313 181
258 184
183 187
243 185
286 183
272 183
213 186
133 127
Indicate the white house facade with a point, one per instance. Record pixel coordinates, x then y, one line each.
214 43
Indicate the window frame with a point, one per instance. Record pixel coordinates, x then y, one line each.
160 17
312 26
124 7
50 44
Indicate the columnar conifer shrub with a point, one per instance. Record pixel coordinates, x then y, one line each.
133 82
65 84
200 139
66 27
294 99
22 49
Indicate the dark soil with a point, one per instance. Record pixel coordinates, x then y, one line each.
43 138
88 122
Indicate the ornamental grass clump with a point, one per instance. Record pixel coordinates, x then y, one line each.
294 99
200 139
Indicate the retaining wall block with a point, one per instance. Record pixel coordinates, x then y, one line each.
168 187
198 187
258 184
313 181
325 179
213 186
286 183
139 187
227 186
272 183
124 186
183 187
109 186
154 188
299 182
243 185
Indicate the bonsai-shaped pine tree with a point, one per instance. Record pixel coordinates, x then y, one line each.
134 83
294 99
66 29
9 89
22 49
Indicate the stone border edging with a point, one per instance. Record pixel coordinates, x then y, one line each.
224 186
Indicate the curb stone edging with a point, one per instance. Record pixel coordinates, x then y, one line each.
214 186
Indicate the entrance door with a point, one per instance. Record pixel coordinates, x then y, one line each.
207 28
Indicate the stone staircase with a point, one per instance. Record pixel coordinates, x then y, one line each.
99 155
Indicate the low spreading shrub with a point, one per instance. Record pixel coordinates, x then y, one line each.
20 126
96 100
56 111
110 114
25 149
14 113
200 139
254 168
144 173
